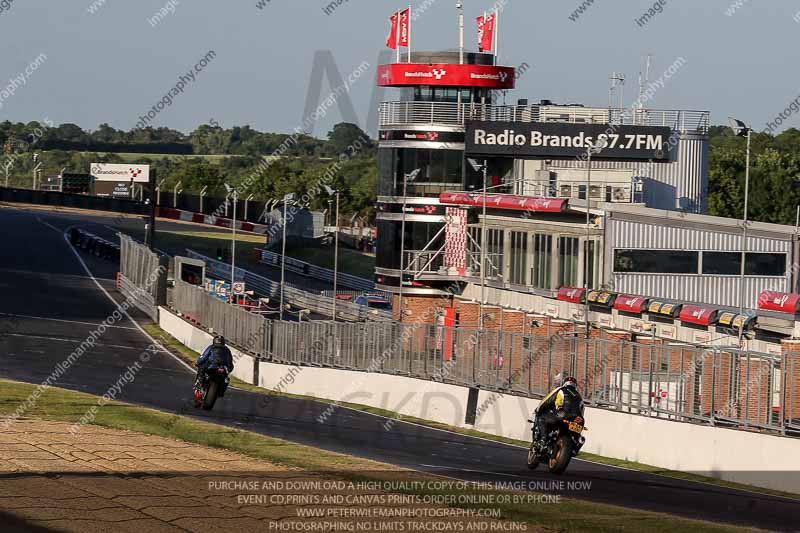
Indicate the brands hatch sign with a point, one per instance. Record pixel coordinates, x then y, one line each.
562 140
447 75
120 173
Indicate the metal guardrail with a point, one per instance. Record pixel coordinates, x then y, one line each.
316 303
719 387
410 113
317 272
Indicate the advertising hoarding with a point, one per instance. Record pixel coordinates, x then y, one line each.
566 140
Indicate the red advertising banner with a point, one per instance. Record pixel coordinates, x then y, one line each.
630 304
505 201
778 301
448 75
570 294
486 28
694 314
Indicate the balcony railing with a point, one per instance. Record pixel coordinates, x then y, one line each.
453 114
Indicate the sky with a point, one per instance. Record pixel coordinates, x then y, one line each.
111 61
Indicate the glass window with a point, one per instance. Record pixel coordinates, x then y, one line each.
765 264
494 253
542 261
656 261
388 252
722 263
592 252
519 258
730 264
387 172
568 261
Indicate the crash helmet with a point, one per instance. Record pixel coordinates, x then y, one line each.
571 383
219 340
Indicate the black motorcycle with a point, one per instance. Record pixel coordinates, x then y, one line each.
560 445
212 385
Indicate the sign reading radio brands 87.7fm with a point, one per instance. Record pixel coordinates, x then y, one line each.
564 140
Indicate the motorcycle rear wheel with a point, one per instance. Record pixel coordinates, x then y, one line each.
562 454
211 395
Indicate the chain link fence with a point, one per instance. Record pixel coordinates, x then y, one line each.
717 386
142 276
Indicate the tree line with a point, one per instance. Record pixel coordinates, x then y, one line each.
211 155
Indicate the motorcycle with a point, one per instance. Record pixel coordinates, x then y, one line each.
560 445
212 385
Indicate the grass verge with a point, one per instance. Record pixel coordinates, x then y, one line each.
569 515
188 355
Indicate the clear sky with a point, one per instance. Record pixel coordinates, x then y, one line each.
113 65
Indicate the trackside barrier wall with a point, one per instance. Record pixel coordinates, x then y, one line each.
77 201
753 458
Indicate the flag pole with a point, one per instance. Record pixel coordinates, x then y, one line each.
409 33
496 35
397 34
460 6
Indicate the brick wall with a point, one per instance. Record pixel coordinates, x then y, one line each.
754 400
791 348
721 379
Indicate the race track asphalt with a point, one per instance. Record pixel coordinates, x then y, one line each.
49 305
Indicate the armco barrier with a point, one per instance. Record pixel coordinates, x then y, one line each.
762 460
317 272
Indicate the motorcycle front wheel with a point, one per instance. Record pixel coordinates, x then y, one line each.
533 459
562 454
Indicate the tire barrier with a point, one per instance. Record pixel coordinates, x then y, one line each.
94 245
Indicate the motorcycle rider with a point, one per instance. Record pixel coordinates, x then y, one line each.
215 356
565 398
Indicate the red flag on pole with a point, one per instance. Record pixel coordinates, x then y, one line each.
486 26
391 41
405 27
400 29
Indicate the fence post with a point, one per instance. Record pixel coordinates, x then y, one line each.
713 384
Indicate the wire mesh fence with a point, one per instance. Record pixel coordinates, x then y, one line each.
718 386
143 276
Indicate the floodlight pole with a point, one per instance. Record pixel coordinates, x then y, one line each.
588 238
336 256
235 194
744 225
411 176
483 241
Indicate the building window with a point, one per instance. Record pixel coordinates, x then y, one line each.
519 258
722 263
657 261
542 261
494 253
592 252
730 264
765 265
568 248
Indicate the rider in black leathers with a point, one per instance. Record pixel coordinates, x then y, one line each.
563 400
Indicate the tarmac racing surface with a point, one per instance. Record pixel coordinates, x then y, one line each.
50 304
